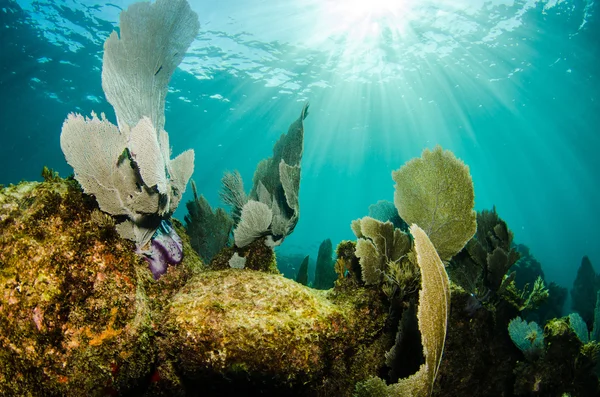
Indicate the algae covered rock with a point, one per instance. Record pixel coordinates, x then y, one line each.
77 305
567 366
236 330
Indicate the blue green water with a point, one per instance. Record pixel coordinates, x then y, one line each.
511 87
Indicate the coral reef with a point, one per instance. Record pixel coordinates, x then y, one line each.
78 308
82 313
566 367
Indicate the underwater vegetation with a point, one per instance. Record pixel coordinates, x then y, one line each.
102 292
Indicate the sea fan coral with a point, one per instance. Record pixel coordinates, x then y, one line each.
128 168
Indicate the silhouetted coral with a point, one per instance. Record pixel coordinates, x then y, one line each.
325 274
527 268
385 211
209 231
302 276
584 290
481 265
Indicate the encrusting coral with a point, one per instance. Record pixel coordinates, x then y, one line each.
78 308
310 342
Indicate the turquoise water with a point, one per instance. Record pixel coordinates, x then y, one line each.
511 87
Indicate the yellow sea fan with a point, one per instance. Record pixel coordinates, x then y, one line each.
435 191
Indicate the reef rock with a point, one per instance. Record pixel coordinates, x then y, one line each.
246 331
78 307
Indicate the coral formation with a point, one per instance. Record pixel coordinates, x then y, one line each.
209 230
432 314
302 276
528 337
128 168
78 308
166 248
378 245
585 288
480 267
479 356
347 265
258 256
436 193
272 208
325 274
385 211
219 320
567 365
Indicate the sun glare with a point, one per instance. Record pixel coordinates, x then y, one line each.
371 8
361 19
